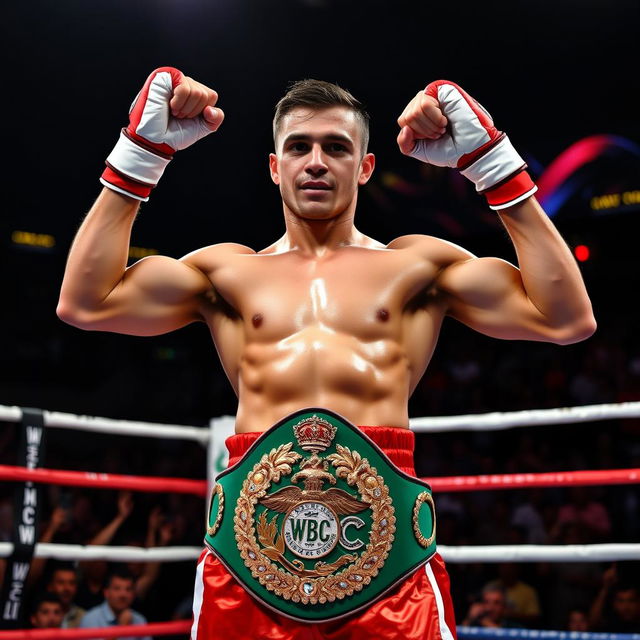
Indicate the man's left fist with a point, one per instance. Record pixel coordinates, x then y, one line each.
443 125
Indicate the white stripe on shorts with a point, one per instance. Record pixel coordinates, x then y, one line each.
198 595
445 632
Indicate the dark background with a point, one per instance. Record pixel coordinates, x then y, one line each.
551 73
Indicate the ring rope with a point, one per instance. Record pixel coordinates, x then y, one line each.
108 553
530 634
117 631
199 487
460 554
541 553
104 480
469 422
527 480
59 420
497 420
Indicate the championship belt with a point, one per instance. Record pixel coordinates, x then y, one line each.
316 522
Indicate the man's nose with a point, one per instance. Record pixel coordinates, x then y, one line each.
316 163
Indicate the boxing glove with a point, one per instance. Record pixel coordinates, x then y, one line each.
147 144
473 145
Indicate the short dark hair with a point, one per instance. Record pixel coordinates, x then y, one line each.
119 572
317 95
46 596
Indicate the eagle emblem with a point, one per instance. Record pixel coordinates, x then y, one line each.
297 539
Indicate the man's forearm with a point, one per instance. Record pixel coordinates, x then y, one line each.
98 256
550 274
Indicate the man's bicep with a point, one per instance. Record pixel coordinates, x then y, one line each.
155 295
487 294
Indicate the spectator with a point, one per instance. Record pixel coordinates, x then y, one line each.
159 534
47 612
625 609
578 620
93 573
522 603
116 609
64 583
59 520
490 611
616 608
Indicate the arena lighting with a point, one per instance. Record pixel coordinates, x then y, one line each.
565 175
31 239
581 252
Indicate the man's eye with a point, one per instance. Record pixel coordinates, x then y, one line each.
336 147
298 147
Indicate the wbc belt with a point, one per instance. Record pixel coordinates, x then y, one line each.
316 522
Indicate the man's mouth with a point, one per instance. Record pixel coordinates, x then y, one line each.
315 185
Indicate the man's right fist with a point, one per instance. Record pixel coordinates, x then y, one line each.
170 113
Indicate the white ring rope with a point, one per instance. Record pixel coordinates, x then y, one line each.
541 553
56 419
470 422
535 417
489 553
109 553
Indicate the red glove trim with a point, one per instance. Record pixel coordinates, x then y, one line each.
126 184
135 115
510 189
145 144
480 112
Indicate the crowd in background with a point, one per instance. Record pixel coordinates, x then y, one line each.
469 374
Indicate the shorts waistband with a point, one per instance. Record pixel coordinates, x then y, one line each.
397 443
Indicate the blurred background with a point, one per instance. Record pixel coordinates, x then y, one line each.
558 77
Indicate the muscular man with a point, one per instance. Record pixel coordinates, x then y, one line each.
324 316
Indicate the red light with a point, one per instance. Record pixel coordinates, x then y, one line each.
581 253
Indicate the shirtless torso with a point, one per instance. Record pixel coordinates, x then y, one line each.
326 316
353 330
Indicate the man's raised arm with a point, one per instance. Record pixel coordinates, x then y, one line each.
156 294
545 299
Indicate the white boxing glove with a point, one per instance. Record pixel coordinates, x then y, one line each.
147 145
474 146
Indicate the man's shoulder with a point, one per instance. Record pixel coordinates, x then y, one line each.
436 249
93 616
212 256
222 248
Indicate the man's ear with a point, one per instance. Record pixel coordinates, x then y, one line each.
273 167
366 168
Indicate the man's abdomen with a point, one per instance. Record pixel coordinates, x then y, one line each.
366 382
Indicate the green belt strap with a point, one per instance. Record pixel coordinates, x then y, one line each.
316 522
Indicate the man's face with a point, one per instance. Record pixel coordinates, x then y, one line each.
318 163
626 604
494 605
47 616
65 585
119 594
578 621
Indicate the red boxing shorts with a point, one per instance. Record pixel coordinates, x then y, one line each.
420 608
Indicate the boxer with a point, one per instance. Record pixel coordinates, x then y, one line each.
324 317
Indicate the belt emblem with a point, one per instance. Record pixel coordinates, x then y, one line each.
314 529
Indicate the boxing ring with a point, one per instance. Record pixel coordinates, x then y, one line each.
213 439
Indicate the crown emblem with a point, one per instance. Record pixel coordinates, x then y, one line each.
314 434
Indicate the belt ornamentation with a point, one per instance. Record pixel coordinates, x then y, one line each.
316 522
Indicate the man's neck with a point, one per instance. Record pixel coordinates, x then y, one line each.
319 237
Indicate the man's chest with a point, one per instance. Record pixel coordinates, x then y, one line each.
352 293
